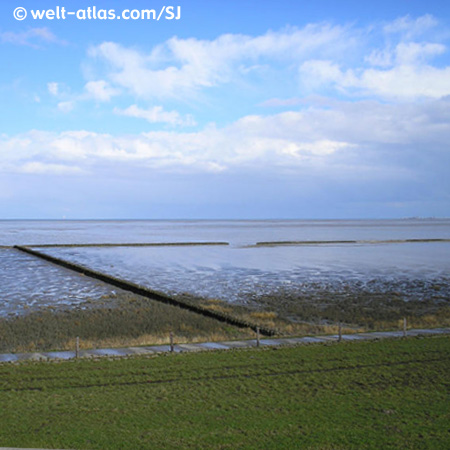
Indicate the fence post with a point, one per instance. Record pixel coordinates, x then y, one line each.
77 349
340 332
257 336
171 341
404 326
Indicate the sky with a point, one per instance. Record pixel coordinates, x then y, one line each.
225 110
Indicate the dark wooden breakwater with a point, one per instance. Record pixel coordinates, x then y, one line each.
361 241
146 292
132 244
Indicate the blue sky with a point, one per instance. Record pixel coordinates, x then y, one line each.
249 109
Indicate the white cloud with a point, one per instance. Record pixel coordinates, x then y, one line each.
403 81
406 81
100 90
315 74
317 148
327 56
410 28
49 169
352 136
53 88
417 53
33 37
281 102
66 107
156 115
179 67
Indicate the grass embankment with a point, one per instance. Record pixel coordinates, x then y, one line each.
361 395
130 320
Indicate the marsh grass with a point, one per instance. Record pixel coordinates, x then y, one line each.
270 318
292 313
357 310
132 320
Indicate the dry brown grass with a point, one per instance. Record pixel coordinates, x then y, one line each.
217 306
264 315
137 321
271 319
147 340
133 321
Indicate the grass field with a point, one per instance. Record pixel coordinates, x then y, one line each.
362 395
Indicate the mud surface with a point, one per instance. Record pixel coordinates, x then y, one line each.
29 284
407 271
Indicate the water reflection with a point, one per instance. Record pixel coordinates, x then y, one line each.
28 283
237 232
234 274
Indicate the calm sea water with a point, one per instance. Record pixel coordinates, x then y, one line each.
233 272
235 232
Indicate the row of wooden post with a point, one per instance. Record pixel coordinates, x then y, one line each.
340 329
172 346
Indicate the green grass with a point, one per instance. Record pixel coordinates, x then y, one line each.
362 395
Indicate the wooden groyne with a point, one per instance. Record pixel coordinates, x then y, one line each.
146 292
361 241
131 244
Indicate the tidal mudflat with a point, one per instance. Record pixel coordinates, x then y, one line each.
285 279
30 284
366 274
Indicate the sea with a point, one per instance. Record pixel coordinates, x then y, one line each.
410 256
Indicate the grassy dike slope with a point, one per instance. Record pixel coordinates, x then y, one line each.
384 394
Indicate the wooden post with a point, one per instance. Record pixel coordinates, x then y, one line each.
171 341
257 336
340 332
404 326
77 349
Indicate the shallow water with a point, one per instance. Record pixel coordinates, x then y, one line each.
236 273
28 284
236 232
233 273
